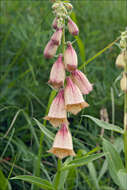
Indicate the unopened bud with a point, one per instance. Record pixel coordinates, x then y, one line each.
123 82
70 58
50 50
120 62
56 37
55 5
72 27
68 6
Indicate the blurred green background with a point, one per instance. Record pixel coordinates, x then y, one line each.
24 72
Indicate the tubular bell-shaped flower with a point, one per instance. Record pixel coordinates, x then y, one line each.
50 50
70 58
57 113
74 101
81 81
62 145
57 74
56 37
72 27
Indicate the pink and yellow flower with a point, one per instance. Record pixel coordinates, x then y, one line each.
62 145
81 81
70 58
56 37
57 74
72 27
50 50
74 101
57 112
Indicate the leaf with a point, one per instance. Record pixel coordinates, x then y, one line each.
4 185
107 188
82 161
105 125
45 184
122 175
93 175
48 133
113 159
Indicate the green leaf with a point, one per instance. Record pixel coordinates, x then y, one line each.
106 188
82 161
48 133
113 159
4 185
105 125
122 175
42 183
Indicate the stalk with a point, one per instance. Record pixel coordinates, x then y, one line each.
125 120
59 163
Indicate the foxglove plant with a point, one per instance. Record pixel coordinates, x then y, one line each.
70 88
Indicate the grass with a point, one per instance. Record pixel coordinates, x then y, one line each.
25 30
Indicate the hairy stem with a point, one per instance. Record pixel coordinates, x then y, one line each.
125 120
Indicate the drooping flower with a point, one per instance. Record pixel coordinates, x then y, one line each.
123 83
57 113
74 101
70 58
62 145
50 50
54 24
56 37
81 81
72 27
57 74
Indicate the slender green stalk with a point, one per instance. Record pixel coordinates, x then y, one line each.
125 121
59 166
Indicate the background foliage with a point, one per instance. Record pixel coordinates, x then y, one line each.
25 30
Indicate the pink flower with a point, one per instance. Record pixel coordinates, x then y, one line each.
56 37
70 58
57 74
74 101
62 145
50 50
81 81
57 113
54 24
72 27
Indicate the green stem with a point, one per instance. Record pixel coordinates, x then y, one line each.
125 120
59 165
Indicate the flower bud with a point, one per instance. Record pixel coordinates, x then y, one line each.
62 145
74 101
72 27
68 6
57 74
81 81
123 83
70 58
56 37
54 24
50 50
120 62
57 113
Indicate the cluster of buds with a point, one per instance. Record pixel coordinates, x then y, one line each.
70 88
121 60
